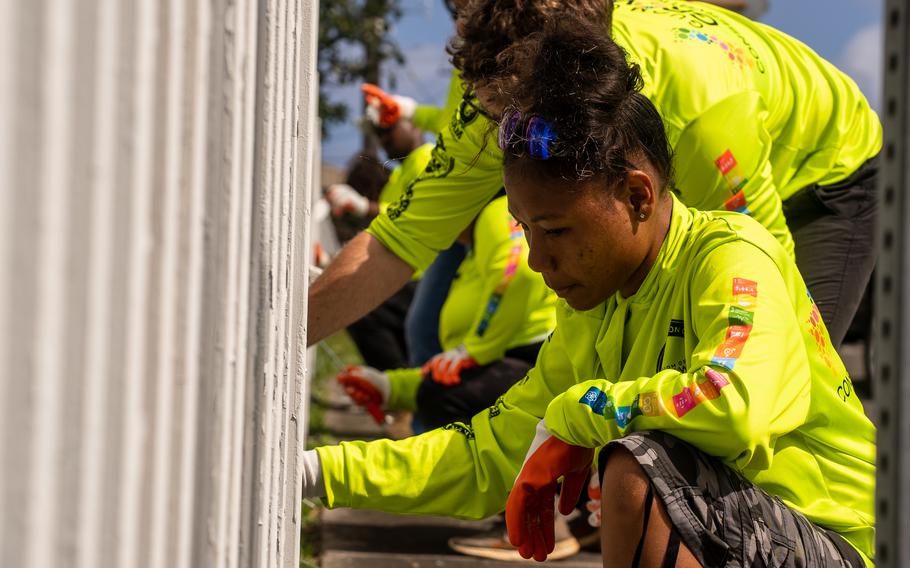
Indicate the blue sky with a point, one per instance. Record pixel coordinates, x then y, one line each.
846 32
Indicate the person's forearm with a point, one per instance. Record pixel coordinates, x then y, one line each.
360 278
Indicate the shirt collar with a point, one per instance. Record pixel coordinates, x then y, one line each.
665 263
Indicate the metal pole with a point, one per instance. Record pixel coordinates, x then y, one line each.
892 378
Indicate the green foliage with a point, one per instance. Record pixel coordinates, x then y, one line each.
309 534
354 41
338 349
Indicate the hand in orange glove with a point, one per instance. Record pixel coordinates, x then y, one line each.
385 110
445 368
529 509
368 387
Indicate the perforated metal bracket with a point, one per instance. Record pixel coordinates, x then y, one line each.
892 342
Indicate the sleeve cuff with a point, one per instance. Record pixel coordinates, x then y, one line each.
415 253
404 383
313 483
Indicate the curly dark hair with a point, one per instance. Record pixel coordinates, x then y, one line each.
485 28
578 80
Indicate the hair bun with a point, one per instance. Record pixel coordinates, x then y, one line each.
572 74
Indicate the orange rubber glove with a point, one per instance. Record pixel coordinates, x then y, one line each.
529 509
385 110
368 387
445 368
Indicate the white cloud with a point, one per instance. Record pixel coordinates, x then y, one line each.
861 58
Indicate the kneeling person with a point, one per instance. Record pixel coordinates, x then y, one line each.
687 352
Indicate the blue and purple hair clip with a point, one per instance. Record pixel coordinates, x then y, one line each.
538 134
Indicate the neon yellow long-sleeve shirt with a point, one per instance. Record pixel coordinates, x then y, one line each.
401 178
403 175
433 119
496 302
753 116
430 119
721 346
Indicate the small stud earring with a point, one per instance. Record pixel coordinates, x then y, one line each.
641 216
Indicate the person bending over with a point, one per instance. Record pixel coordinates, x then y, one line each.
381 334
387 110
747 136
401 142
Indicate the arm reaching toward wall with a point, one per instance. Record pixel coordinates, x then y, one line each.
360 278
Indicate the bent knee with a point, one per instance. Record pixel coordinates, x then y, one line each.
624 483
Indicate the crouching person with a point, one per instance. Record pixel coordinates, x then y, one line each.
688 358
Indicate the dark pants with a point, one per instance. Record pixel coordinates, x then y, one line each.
379 335
438 405
422 323
833 228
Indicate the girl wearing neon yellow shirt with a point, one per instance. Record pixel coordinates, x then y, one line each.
688 357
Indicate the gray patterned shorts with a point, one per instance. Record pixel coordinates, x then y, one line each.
724 519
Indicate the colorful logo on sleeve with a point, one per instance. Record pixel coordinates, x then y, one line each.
739 323
744 58
651 404
700 26
818 332
600 402
516 237
729 168
693 395
725 162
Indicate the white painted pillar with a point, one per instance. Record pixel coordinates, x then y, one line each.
156 166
